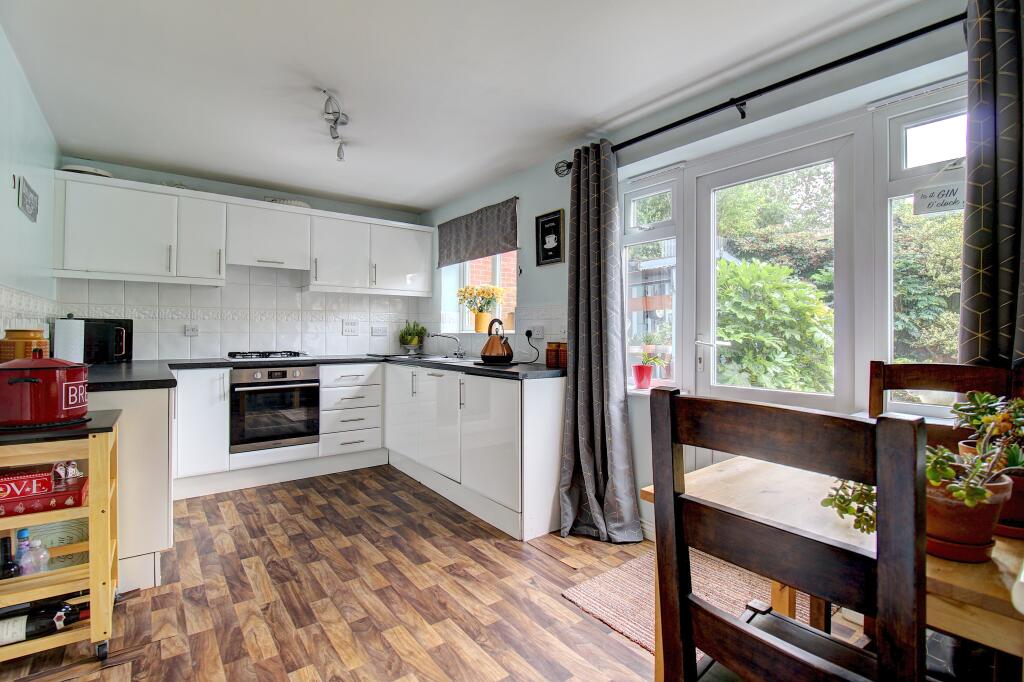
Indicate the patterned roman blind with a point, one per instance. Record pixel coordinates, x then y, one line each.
484 232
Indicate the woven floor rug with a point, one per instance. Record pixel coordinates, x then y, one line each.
623 598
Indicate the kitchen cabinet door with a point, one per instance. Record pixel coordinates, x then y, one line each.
202 414
341 253
399 414
111 229
401 259
267 237
201 238
491 439
437 411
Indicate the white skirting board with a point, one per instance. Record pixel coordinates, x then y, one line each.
194 486
499 516
138 572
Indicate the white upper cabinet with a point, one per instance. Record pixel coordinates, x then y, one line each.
116 230
400 259
340 253
201 233
267 237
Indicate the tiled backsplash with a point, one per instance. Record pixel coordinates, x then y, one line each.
22 310
552 317
258 309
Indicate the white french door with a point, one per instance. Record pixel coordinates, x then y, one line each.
773 275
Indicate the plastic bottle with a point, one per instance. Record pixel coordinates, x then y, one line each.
23 545
27 563
41 555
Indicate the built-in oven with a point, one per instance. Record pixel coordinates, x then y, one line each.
274 407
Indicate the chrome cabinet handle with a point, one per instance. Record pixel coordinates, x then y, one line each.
346 421
316 269
220 261
355 397
352 442
375 274
170 256
348 376
435 374
462 394
267 260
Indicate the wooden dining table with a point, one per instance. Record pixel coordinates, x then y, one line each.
968 600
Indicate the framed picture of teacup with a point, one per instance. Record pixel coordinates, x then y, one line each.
550 237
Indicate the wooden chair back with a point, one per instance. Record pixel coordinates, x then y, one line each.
887 452
940 377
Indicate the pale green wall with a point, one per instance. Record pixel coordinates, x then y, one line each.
245 191
27 148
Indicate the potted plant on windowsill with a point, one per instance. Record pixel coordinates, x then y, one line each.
481 301
966 491
411 337
643 371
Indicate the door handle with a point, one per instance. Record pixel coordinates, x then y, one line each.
346 421
413 378
352 442
170 257
435 374
316 269
462 394
355 397
374 274
268 260
220 261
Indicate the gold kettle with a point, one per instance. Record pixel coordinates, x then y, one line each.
496 350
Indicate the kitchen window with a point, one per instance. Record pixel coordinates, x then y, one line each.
649 272
501 270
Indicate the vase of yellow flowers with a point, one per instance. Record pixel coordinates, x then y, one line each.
481 301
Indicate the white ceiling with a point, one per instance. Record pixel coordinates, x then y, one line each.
444 95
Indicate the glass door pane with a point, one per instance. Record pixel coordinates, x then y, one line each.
650 307
774 260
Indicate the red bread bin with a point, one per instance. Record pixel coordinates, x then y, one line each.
40 391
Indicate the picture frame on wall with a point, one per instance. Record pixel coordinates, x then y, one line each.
551 237
28 200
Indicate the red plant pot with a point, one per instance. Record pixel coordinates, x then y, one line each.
642 375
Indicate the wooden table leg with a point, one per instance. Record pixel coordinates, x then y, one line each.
783 599
659 660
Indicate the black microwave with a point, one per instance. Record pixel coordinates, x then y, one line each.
93 340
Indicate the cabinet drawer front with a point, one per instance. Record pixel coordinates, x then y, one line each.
350 375
336 421
348 397
349 441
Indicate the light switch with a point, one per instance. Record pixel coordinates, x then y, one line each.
379 330
191 330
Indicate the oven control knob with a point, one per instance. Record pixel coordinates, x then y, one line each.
257 374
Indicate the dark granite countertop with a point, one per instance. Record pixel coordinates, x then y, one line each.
100 421
147 374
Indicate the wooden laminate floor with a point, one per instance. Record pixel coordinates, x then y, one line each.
364 575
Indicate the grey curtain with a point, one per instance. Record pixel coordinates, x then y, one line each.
992 303
597 488
484 232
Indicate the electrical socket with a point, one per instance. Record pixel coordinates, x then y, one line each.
191 330
379 330
538 331
350 328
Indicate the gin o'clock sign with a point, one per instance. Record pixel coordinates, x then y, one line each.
939 199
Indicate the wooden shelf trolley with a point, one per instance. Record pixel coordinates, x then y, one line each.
96 442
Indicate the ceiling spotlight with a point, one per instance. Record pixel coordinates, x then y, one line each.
341 151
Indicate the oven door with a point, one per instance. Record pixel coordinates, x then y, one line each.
274 415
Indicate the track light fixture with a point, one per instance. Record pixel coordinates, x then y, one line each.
335 117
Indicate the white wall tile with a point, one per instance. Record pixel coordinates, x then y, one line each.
230 343
289 278
145 346
73 290
335 302
231 325
336 344
205 346
204 297
105 292
289 341
288 298
141 293
263 276
313 300
173 346
263 341
263 297
237 274
173 295
235 296
313 344
114 311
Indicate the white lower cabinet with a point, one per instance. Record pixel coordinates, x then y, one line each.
201 422
436 407
350 398
492 440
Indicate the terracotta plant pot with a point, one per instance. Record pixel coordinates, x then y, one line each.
480 322
642 375
961 533
1011 520
967 448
